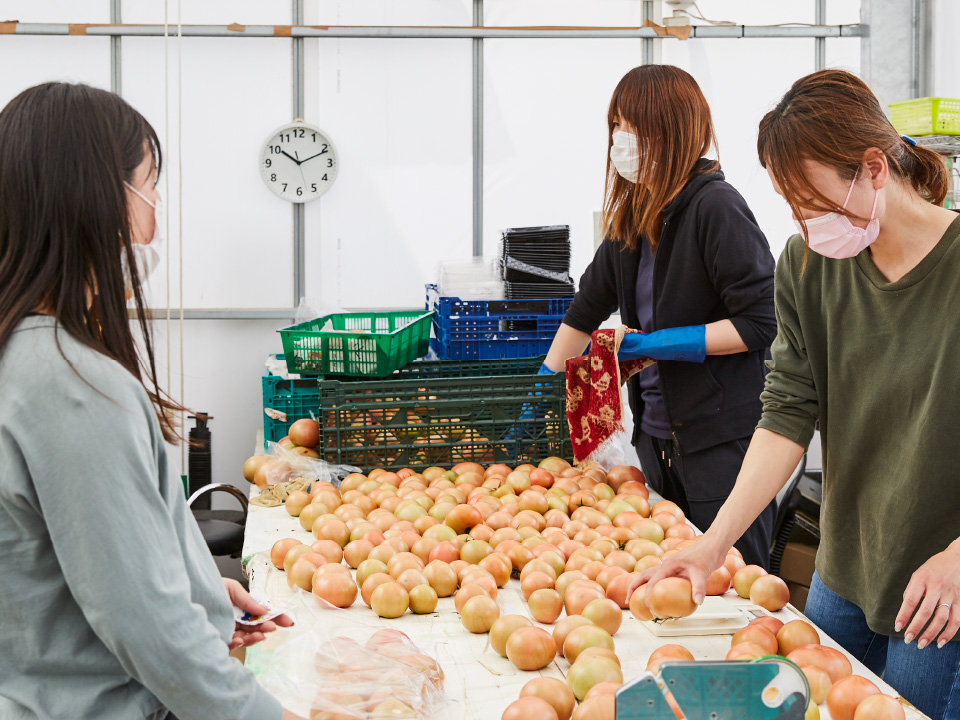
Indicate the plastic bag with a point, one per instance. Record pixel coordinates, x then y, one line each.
311 309
619 449
613 451
291 465
327 670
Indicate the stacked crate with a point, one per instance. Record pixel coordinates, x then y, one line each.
428 413
493 329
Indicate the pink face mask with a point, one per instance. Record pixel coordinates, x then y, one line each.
834 236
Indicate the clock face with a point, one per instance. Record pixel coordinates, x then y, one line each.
298 162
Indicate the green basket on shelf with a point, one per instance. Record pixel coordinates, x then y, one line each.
372 344
926 116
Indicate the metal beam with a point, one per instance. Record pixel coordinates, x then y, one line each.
470 33
478 133
923 43
299 209
647 57
116 74
820 44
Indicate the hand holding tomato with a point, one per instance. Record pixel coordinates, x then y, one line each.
934 595
695 563
247 635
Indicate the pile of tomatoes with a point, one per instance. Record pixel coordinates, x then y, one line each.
574 537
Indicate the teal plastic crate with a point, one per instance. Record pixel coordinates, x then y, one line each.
297 399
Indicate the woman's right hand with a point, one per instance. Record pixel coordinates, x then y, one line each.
695 563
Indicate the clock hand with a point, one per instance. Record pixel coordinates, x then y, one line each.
284 152
299 163
313 156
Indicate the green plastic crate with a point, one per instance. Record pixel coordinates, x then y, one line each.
926 116
443 413
370 344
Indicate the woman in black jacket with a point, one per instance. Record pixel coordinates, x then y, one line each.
685 262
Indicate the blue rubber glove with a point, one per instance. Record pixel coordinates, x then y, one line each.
682 343
530 411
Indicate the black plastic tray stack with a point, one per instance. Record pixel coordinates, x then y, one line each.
535 262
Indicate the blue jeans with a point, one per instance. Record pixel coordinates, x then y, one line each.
928 678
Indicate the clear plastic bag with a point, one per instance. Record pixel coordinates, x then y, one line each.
293 465
312 308
619 449
327 670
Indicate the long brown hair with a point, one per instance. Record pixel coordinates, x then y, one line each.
832 117
65 152
674 130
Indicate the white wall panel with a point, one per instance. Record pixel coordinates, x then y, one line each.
56 11
546 134
237 236
740 90
399 113
563 12
946 56
222 369
45 59
843 52
207 12
389 12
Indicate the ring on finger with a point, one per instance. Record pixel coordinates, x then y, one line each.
946 605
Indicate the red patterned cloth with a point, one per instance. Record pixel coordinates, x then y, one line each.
594 401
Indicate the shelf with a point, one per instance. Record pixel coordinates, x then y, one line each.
943 144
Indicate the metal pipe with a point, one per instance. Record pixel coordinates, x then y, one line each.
647 51
925 42
467 33
116 74
820 44
478 19
299 209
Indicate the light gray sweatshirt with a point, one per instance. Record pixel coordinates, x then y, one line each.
110 603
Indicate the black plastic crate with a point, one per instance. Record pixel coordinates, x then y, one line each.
442 413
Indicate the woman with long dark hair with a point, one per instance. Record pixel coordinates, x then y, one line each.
112 605
684 261
867 345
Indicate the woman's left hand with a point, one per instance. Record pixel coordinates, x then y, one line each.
933 592
247 635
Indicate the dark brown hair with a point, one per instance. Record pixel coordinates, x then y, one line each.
832 117
65 152
674 130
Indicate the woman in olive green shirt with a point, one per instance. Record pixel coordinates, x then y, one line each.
867 344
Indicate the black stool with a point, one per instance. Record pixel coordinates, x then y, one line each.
222 529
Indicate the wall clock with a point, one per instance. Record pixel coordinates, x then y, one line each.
298 162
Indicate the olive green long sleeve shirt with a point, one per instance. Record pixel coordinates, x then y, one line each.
878 363
111 606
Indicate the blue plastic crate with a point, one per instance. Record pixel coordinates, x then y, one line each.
492 350
493 329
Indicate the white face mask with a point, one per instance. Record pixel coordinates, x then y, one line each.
625 155
147 256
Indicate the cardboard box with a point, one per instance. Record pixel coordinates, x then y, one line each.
797 565
798 595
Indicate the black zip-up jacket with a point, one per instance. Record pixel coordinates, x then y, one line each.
712 263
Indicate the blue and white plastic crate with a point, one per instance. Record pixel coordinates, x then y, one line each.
493 329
